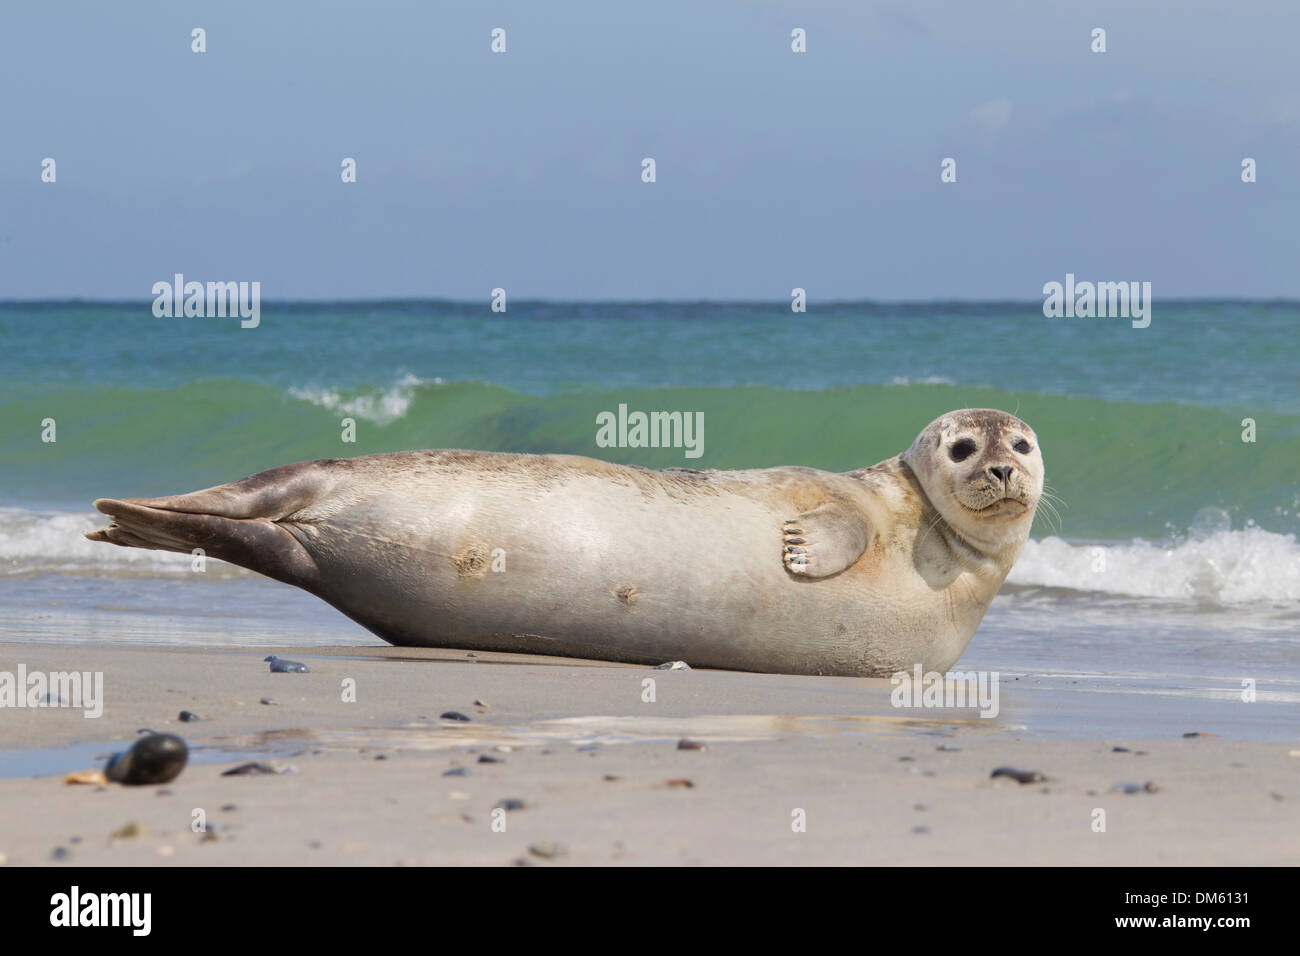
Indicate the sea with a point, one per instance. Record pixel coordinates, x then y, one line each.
1167 566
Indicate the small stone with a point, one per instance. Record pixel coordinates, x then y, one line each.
129 831
919 806
188 716
1120 750
548 851
681 783
60 853
1275 796
1197 733
611 777
281 666
524 861
228 808
488 758
269 702
685 744
381 756
480 703
905 759
510 804
1020 776
673 666
157 758
919 829
259 768
946 749
74 840
452 715
456 772
164 792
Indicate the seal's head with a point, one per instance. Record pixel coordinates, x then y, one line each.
983 472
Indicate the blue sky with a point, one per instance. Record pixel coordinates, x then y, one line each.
775 170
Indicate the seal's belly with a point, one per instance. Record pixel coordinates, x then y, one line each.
626 576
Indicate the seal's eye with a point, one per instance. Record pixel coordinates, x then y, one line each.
962 450
1022 447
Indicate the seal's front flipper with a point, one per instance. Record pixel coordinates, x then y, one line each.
824 541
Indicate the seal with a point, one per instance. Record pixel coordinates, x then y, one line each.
788 570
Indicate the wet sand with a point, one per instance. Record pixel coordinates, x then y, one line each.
599 772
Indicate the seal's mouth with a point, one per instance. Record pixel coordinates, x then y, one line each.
1002 508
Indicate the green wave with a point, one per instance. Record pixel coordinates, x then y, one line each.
1121 469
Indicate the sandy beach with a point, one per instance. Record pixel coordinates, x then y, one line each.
599 772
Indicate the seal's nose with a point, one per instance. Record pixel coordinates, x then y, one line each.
1002 473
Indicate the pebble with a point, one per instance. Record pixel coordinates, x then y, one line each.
269 702
510 804
228 808
1120 750
680 782
452 715
188 716
685 744
480 703
610 777
158 758
456 772
1147 787
164 792
281 666
60 853
548 851
1197 733
258 768
129 831
1020 776
947 749
673 666
488 758
920 829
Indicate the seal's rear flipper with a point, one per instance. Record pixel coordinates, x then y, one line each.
241 522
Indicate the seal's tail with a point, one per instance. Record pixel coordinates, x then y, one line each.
242 522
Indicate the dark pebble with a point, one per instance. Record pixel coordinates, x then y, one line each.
1197 733
158 758
60 853
281 666
1020 776
488 758
681 782
229 808
947 749
456 772
452 715
269 702
1120 750
256 768
381 756
74 840
188 716
510 804
689 745
905 759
